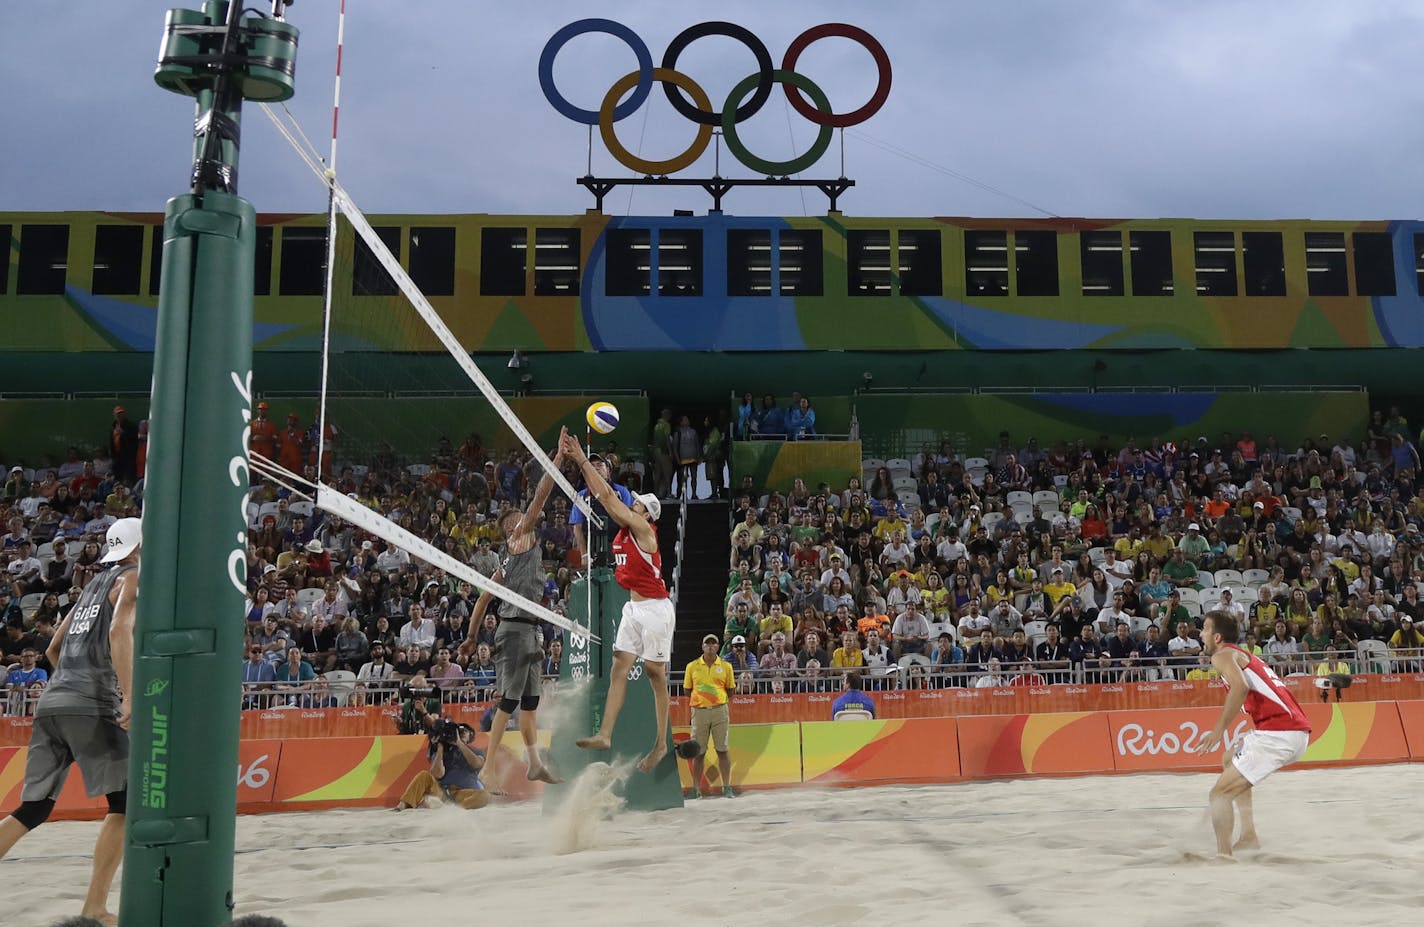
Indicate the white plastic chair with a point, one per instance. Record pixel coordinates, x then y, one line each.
1188 595
342 683
301 507
1046 497
1373 656
853 714
899 466
1023 514
1060 480
306 598
1098 555
30 603
990 520
871 464
1229 578
976 463
1193 608
1256 577
418 470
268 508
1019 497
904 482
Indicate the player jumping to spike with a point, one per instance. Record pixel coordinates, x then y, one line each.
1282 732
646 627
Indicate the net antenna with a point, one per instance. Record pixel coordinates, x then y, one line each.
336 503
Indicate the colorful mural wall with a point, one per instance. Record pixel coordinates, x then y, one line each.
958 316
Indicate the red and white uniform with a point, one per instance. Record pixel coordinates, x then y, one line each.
646 627
637 570
1269 703
1282 731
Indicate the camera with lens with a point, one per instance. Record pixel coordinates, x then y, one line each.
444 731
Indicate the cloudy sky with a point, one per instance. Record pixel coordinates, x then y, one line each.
1110 108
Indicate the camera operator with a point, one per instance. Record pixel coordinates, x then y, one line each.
420 702
454 767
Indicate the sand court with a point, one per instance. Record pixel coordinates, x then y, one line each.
1342 844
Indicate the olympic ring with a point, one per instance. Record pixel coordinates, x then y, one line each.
764 71
794 165
617 30
608 110
640 82
868 42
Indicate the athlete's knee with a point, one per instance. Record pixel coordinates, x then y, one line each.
118 801
529 703
34 813
507 705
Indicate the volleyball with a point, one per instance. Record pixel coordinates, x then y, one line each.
602 417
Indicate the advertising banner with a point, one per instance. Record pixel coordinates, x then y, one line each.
844 752
762 754
1411 716
1019 745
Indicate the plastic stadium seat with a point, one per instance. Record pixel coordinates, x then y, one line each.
853 714
976 463
421 470
1188 594
976 476
1037 632
1206 578
931 522
871 464
1256 577
30 603
1193 608
1139 625
45 552
343 683
1023 513
1098 554
1374 657
1060 480
991 519
301 507
1210 597
1291 512
268 508
306 598
1045 497
905 482
899 465
1229 577
1018 497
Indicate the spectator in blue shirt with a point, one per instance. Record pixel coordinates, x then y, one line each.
801 421
610 527
257 669
23 676
770 420
853 697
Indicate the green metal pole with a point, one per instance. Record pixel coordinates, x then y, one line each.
184 735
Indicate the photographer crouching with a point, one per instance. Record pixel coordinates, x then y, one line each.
454 767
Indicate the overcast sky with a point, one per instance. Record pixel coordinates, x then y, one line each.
1108 108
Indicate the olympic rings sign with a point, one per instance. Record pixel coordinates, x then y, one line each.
744 101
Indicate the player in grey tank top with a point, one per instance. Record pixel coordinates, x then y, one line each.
83 715
85 682
519 650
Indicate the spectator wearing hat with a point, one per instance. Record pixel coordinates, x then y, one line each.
123 446
743 661
709 682
318 560
1194 546
263 439
17 487
1406 646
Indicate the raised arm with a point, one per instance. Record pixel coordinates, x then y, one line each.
599 489
541 498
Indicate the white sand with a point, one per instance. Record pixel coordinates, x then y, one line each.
1341 846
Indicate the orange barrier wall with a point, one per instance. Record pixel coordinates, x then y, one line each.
864 752
1411 715
761 755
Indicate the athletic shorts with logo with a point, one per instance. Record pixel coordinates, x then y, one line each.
98 745
1257 754
646 629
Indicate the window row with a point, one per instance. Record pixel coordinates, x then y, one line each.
119 253
759 262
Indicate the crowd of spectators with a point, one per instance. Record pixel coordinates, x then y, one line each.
1089 562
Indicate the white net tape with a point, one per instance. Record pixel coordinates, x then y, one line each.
331 501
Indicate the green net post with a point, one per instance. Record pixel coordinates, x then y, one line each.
188 638
583 678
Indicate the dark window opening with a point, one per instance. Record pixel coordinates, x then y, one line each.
262 266
1036 263
1264 257
629 271
1216 263
867 262
44 260
1102 263
1325 265
1419 262
303 270
680 262
556 262
432 260
801 266
1374 264
749 262
368 276
1151 263
155 259
118 260
4 259
503 259
920 264
986 263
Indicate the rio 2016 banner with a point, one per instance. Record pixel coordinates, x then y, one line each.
744 101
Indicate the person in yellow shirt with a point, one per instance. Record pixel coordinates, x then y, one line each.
775 620
1203 670
1128 545
848 654
1332 673
1058 588
886 527
1158 544
709 682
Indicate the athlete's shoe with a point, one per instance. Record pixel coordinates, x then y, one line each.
696 793
727 792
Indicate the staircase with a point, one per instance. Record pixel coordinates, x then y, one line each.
703 581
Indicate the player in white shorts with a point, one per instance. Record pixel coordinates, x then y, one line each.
646 628
1282 732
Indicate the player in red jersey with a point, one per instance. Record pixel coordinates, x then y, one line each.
645 629
1282 732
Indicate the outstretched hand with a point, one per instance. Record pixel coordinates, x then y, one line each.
570 446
